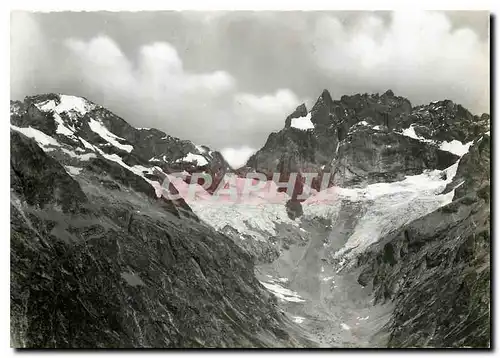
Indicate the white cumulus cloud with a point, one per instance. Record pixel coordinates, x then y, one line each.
416 54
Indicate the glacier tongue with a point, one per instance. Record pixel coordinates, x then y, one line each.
388 206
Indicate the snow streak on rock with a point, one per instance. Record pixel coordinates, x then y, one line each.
109 137
283 293
388 205
41 138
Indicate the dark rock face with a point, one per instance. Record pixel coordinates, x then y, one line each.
445 120
437 269
121 175
27 114
133 287
359 140
473 173
99 261
434 270
293 209
40 180
369 156
262 252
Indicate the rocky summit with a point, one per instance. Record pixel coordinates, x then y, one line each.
390 248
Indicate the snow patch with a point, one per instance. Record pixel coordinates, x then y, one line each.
256 214
41 138
410 132
298 319
102 131
15 109
73 170
451 171
73 103
190 157
303 123
282 293
87 156
61 127
87 144
68 104
258 221
136 169
455 147
200 149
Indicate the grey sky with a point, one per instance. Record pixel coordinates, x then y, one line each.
228 79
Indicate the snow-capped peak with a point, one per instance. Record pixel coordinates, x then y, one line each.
66 103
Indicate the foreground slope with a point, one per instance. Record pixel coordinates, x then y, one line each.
99 260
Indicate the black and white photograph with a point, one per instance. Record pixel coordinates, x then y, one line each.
236 179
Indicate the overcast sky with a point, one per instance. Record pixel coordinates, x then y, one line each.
228 79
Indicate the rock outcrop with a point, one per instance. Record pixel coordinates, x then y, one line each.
395 252
365 139
436 270
98 260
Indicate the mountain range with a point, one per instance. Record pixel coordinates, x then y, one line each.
390 249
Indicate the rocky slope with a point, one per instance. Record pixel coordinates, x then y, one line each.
393 252
408 212
99 260
365 139
436 269
87 128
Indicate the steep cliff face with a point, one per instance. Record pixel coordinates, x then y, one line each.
369 155
437 268
409 214
98 259
365 139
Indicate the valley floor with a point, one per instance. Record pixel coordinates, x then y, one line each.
332 307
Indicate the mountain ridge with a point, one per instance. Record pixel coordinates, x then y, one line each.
383 215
